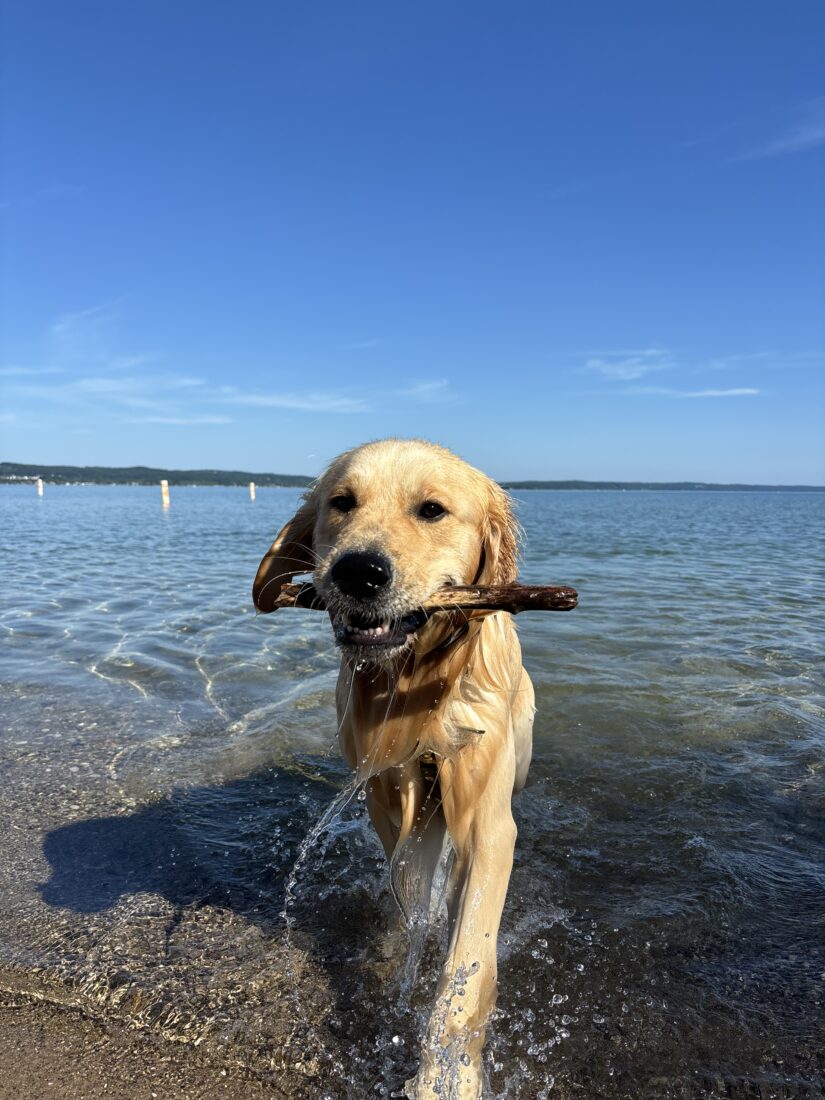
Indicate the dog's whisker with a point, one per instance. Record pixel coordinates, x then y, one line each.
287 573
347 702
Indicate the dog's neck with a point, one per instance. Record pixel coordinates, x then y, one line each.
395 713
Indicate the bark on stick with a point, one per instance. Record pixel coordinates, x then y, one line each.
475 597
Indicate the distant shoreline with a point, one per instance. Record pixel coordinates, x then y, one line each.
17 473
144 475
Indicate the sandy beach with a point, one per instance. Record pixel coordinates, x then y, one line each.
50 1052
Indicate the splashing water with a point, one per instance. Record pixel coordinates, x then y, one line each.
324 822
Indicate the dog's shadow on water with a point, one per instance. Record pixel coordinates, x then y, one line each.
234 846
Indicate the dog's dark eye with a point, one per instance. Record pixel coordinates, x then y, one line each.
343 503
431 509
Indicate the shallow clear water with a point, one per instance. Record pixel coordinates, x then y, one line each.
165 752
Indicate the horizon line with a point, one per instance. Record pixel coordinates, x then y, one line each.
34 470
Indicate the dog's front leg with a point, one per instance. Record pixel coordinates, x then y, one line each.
483 835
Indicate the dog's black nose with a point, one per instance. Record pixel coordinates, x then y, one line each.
362 574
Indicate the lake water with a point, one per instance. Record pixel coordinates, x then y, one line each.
165 751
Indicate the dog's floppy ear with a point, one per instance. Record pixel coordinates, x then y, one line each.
290 553
499 547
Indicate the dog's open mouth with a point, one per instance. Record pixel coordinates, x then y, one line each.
365 633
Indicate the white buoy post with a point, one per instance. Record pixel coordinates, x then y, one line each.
164 493
40 486
252 490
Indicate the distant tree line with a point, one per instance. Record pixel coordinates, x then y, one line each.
143 475
652 485
151 475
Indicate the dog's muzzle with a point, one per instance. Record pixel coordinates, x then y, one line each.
364 619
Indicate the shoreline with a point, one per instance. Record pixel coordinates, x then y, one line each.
57 1052
508 486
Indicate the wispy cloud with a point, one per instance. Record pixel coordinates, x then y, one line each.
625 366
772 360
182 420
302 402
806 132
714 135
360 345
83 338
95 397
27 372
433 392
628 366
126 386
660 391
735 360
86 339
95 382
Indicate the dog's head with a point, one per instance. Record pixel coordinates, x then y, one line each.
388 524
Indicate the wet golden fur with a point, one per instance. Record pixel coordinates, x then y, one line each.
457 695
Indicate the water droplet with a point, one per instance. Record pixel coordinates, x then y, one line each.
542 943
397 1041
362 794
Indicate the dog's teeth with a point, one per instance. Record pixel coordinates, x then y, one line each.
378 632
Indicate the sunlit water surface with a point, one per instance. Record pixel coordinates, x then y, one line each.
165 752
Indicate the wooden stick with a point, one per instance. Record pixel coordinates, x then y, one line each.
500 597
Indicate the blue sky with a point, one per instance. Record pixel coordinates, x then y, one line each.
580 240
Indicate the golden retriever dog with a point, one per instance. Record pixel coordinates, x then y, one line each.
435 711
